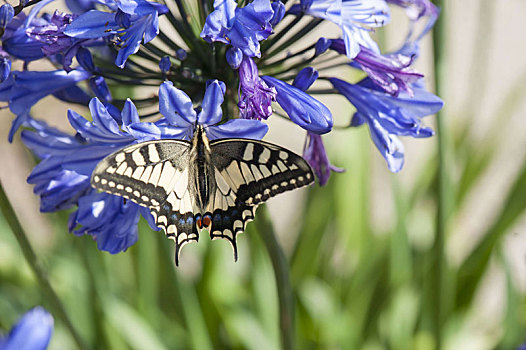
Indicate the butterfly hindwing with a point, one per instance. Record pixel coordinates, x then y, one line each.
257 170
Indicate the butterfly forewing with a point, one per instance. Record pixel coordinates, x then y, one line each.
255 170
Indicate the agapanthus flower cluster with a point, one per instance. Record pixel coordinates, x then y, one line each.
231 66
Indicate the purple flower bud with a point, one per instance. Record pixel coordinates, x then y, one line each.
305 78
234 56
85 59
315 154
7 13
279 12
256 97
165 64
181 54
322 45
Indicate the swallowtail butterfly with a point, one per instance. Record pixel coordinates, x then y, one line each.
194 185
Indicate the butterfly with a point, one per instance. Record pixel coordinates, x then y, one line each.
190 186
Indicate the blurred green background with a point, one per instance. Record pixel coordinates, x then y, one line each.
431 258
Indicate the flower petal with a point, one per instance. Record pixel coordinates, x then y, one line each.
238 128
301 108
176 106
211 112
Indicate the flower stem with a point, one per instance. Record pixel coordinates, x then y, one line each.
444 195
281 272
35 264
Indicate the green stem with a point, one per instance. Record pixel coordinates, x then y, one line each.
281 273
35 264
444 195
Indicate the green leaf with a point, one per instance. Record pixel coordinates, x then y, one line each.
131 326
474 267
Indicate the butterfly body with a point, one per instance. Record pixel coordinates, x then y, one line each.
200 184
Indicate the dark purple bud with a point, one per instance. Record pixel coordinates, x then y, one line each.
279 12
322 45
338 45
305 78
7 13
5 68
315 154
122 19
234 56
165 64
255 101
100 88
85 59
181 54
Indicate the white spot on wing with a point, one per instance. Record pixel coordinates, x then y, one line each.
255 171
119 158
166 176
137 173
180 185
249 152
265 171
156 174
247 174
264 156
138 158
153 154
235 175
121 168
145 177
221 182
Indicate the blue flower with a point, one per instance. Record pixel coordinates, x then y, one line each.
417 9
302 109
61 179
388 116
28 87
391 72
53 41
7 12
132 21
255 99
314 150
32 332
17 43
242 28
353 16
178 110
165 64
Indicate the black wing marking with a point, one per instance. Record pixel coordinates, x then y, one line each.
154 174
257 170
